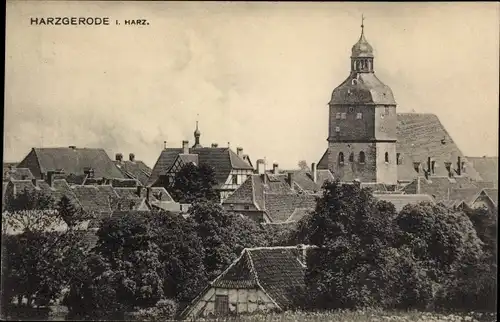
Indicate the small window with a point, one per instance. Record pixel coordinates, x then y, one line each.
337 129
337 116
361 157
221 304
387 110
234 179
351 109
351 157
387 157
341 158
359 116
343 116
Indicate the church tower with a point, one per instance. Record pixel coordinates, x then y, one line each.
362 124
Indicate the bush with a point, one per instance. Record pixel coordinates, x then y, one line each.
163 310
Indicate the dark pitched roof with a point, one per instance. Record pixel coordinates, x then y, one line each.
467 195
421 136
124 183
223 160
18 174
278 271
93 199
401 200
493 194
438 187
487 167
304 179
74 160
134 170
280 207
252 190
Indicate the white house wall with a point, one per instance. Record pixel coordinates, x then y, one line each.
240 301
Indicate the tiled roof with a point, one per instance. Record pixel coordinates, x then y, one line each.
223 160
74 160
304 178
401 200
278 271
252 190
161 194
134 170
487 167
298 214
438 187
124 183
280 207
421 136
467 195
493 194
18 174
92 199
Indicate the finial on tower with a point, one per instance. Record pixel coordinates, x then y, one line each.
197 135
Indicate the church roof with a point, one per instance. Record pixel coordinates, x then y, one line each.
362 48
362 88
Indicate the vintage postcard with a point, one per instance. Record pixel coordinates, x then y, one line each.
253 161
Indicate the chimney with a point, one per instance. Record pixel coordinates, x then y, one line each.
428 165
239 151
131 157
119 157
261 166
459 166
433 164
314 172
164 145
148 194
50 175
275 168
185 147
416 166
214 145
302 249
447 165
290 179
139 190
72 147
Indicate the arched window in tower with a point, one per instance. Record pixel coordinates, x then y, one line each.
361 157
387 157
351 157
341 158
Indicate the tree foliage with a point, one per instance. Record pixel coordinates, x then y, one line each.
29 199
194 183
224 235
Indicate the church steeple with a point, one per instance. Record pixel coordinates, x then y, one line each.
362 54
197 135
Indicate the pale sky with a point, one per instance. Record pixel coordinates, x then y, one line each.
259 75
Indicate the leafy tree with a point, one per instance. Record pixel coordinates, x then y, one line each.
139 260
29 199
356 235
194 183
181 256
303 165
224 235
36 246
